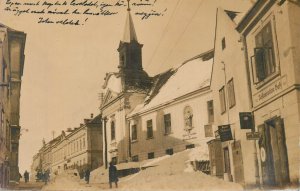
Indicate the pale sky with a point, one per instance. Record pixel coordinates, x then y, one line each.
65 65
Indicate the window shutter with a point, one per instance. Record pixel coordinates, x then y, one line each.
259 63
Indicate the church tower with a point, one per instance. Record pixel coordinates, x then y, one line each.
130 59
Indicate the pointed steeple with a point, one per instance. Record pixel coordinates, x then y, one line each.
129 31
134 78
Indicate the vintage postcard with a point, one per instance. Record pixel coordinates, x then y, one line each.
149 94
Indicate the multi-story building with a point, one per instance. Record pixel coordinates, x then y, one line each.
256 95
176 115
12 44
79 148
36 166
271 35
232 156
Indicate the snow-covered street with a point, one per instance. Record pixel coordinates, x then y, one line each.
164 173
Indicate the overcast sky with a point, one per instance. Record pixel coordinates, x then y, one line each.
65 65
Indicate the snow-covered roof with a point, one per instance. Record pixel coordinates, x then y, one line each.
192 75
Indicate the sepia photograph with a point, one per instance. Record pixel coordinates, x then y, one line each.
137 95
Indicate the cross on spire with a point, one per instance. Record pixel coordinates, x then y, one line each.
128 5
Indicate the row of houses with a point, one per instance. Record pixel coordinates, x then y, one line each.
240 99
79 148
12 45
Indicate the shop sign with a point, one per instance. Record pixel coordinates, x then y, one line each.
246 120
252 135
225 133
270 91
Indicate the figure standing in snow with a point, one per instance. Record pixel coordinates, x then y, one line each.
113 175
26 176
87 176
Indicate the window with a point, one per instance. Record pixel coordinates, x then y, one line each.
167 121
149 129
265 64
151 155
188 118
169 152
208 130
80 145
133 132
135 158
231 94
113 130
210 111
223 43
83 142
190 146
222 100
3 71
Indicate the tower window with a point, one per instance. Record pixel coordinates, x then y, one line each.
223 43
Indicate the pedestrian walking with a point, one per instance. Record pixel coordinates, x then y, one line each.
113 175
26 176
87 176
46 176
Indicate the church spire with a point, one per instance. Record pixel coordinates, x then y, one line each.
129 32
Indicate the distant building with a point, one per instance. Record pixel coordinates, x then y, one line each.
79 148
12 44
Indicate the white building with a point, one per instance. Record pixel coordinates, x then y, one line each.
174 116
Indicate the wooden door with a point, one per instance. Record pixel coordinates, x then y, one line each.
272 144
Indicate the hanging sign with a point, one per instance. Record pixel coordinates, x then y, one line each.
252 135
246 120
225 133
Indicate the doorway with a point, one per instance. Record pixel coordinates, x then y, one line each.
227 168
273 152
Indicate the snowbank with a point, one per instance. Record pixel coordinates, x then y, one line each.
168 174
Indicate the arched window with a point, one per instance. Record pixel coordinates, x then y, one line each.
188 118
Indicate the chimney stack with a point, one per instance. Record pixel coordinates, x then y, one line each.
92 115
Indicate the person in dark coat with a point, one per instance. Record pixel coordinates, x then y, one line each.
113 175
26 176
87 176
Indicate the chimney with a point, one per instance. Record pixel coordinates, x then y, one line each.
92 115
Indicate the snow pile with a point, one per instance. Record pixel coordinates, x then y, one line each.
100 175
200 152
169 174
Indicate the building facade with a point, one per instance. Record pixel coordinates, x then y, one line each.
122 92
256 95
79 148
12 44
271 36
175 115
234 156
